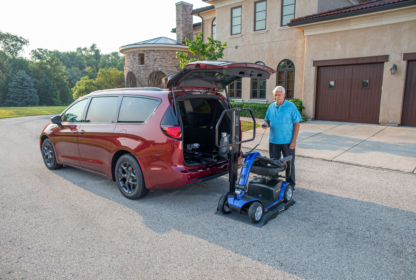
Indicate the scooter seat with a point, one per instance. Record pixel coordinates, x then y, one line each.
266 170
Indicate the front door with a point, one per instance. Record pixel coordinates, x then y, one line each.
96 134
409 101
66 136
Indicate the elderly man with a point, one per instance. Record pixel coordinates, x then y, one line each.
283 119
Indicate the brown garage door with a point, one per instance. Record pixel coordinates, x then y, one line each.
409 102
349 93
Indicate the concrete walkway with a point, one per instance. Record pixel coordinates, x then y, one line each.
360 144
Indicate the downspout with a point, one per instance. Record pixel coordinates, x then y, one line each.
202 26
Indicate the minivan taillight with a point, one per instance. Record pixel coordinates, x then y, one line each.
170 124
172 131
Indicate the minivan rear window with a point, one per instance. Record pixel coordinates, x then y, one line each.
137 109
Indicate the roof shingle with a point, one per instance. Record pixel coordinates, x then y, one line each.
367 7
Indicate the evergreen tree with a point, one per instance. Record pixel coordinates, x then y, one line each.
21 91
48 93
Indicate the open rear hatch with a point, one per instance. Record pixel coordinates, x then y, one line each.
196 93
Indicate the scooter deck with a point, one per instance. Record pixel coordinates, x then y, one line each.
269 215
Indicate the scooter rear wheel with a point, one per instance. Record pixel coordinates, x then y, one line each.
255 212
223 206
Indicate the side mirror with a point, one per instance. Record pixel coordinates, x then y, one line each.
56 120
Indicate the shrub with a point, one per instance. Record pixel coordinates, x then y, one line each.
260 109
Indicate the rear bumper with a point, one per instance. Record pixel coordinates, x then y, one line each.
180 176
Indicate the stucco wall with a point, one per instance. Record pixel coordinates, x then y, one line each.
270 46
390 39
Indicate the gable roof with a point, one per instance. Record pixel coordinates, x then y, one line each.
364 8
156 41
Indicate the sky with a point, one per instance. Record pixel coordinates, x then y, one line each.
66 25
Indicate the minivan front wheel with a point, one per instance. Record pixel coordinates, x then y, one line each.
49 156
129 178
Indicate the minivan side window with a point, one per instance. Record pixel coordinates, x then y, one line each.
74 114
136 109
101 110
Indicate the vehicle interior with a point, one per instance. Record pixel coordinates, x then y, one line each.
200 114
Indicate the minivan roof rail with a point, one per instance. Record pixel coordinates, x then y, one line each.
130 89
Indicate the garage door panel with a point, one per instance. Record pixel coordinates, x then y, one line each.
409 101
349 100
332 101
366 96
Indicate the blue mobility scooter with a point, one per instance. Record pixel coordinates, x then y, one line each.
263 197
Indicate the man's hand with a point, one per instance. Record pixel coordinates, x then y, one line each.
265 125
292 145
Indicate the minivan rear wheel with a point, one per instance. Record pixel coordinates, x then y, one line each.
129 178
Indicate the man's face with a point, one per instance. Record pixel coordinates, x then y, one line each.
279 97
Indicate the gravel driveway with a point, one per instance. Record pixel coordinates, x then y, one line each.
349 222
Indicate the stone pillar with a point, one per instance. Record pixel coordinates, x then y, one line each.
184 22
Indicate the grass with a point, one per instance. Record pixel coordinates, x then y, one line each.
13 112
245 126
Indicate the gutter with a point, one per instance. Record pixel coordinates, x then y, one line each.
353 13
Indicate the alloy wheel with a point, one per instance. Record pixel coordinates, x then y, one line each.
127 177
48 155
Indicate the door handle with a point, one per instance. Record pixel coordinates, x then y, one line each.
82 131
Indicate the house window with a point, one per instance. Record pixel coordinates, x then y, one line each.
141 58
260 16
258 86
286 77
288 11
214 26
236 21
235 88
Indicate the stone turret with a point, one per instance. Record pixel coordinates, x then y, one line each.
184 27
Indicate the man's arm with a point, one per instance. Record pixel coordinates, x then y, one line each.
295 135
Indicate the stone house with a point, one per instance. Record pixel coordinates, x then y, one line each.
347 60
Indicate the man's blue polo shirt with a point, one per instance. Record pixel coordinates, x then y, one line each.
281 119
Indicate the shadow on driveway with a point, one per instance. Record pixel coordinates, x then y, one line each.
321 236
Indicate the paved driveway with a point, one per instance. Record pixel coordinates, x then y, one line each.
349 222
361 144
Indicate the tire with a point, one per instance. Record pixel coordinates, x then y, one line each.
129 178
49 156
223 206
255 212
288 195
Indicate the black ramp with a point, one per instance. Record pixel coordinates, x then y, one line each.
269 215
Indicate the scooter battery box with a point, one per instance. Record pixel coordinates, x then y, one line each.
262 188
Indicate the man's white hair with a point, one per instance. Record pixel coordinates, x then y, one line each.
279 88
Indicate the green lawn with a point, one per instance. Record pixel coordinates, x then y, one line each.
245 126
12 112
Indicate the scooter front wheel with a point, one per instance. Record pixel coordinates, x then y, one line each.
255 212
223 206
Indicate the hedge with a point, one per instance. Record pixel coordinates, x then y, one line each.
260 109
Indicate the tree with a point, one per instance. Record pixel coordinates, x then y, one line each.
110 78
11 44
46 64
48 93
74 75
212 50
106 78
21 91
83 87
112 60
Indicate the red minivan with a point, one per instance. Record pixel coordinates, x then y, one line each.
150 138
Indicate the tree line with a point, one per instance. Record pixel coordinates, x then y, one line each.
54 78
